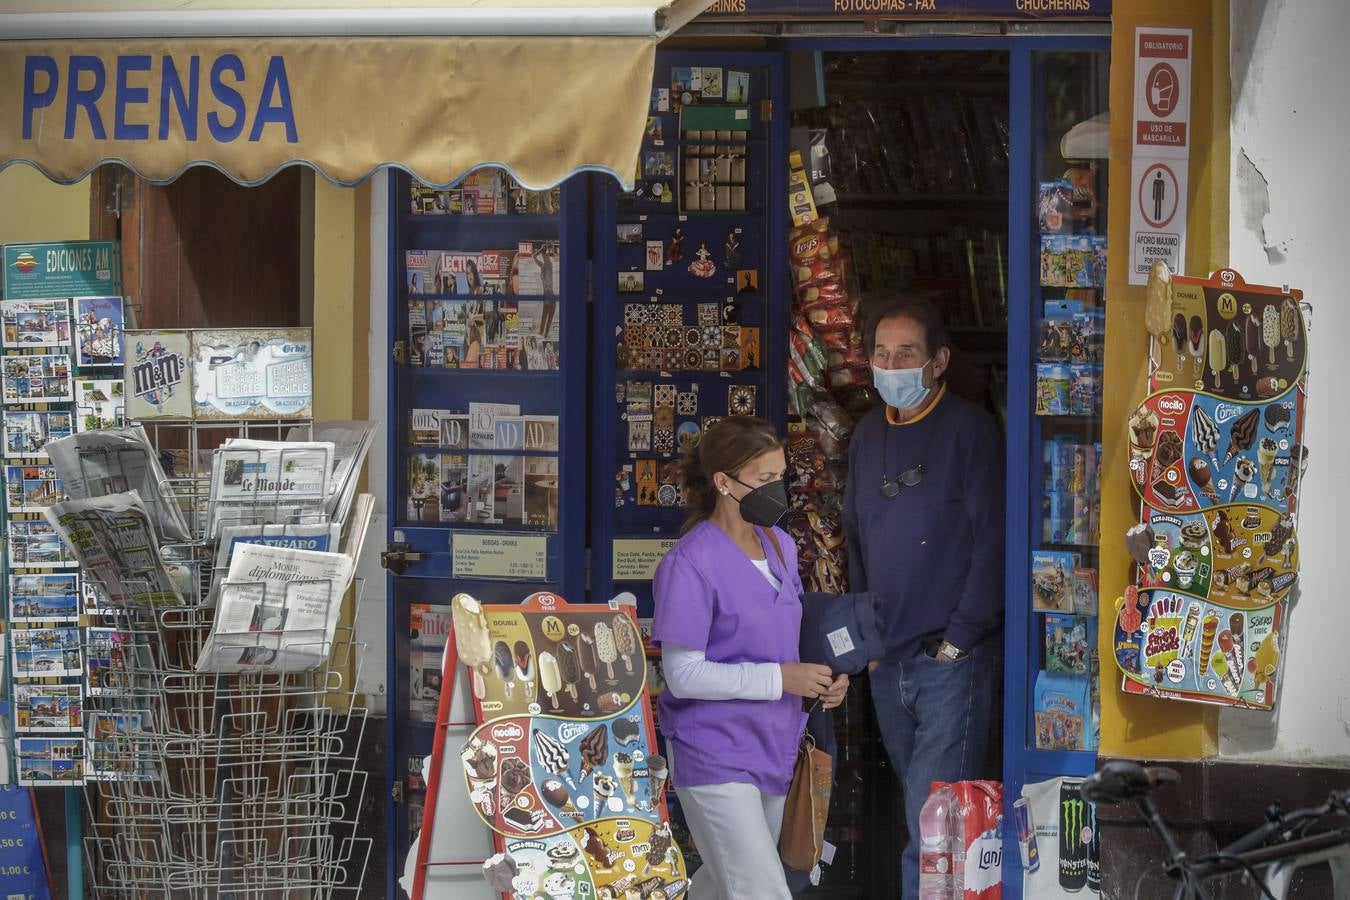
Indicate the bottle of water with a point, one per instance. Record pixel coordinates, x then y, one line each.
941 847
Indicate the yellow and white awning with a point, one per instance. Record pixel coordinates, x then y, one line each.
543 89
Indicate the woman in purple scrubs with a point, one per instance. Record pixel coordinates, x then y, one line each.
728 620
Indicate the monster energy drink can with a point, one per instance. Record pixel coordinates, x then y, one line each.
1073 837
1094 860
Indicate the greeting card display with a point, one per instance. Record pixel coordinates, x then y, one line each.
98 331
565 769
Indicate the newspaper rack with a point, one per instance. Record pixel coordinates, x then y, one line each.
207 784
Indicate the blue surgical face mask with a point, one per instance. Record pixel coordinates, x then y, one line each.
901 388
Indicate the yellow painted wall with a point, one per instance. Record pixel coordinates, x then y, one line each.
341 320
1138 726
32 208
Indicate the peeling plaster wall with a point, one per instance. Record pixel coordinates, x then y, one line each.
1290 196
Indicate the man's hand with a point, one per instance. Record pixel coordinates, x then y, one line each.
805 679
835 693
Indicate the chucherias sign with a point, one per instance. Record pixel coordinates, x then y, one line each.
83 82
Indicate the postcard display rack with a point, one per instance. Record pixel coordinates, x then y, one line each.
689 301
487 436
563 767
1216 457
208 712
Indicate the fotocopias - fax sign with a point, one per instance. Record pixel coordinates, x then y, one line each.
130 94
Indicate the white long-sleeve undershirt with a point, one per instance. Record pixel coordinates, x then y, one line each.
691 676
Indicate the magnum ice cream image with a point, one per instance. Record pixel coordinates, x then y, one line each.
1158 307
1218 355
626 641
1289 326
586 657
1252 338
1195 337
524 667
606 650
550 677
1270 332
1237 349
569 668
472 641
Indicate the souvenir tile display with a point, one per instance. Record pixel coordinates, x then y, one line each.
34 323
1217 456
564 768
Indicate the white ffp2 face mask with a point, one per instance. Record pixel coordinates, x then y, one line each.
900 388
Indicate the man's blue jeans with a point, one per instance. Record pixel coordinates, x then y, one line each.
934 716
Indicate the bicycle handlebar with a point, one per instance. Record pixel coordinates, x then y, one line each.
1121 779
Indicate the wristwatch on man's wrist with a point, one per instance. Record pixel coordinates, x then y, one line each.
948 650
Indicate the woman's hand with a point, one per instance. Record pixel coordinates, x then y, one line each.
835 693
805 679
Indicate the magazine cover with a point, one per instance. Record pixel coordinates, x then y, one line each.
44 598
114 538
424 427
428 628
482 493
99 404
31 489
483 423
27 433
541 492
454 487
45 652
259 373
44 762
48 707
457 272
538 269
118 743
39 378
98 331
424 503
158 375
487 334
541 433
34 323
36 545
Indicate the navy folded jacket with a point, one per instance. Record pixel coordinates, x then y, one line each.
842 631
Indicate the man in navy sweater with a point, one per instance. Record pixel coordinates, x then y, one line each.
924 519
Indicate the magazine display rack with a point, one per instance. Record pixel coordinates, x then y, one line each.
222 757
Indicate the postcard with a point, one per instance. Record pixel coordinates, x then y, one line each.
31 489
26 433
631 282
34 323
45 652
99 403
98 331
48 707
118 661
117 744
44 762
36 545
39 378
737 87
44 598
629 232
